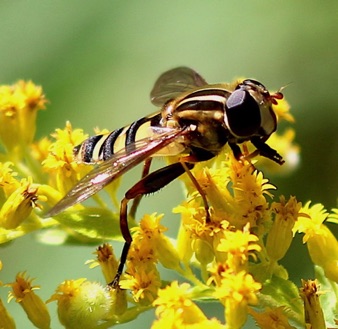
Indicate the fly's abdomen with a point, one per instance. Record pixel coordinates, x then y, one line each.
102 147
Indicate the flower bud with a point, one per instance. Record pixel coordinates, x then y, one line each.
81 304
35 308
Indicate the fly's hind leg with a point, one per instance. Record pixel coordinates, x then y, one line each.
149 184
137 200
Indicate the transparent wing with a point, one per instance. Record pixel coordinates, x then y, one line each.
173 82
113 168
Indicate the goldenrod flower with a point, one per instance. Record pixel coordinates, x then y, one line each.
280 234
81 304
282 110
191 219
107 260
237 291
63 169
40 149
250 189
6 320
313 312
150 233
143 283
35 308
141 276
20 204
238 246
18 109
237 194
8 180
271 318
108 263
175 309
212 250
149 245
199 237
321 243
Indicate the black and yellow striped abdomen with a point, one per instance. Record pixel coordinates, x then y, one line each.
102 147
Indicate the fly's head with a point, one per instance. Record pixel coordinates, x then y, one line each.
249 112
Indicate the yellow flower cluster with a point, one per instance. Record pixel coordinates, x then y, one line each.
230 255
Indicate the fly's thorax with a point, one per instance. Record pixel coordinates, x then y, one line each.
203 109
178 146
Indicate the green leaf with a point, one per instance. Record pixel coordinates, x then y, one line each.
329 298
93 223
280 292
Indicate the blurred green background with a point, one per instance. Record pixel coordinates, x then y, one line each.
97 62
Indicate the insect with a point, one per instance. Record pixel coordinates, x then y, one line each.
195 121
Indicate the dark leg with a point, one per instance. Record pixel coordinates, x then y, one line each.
137 200
236 150
200 191
149 184
266 151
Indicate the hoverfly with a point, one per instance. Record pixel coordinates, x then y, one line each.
195 121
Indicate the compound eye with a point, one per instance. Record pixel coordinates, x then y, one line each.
242 114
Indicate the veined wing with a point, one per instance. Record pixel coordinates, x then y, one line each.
174 82
113 168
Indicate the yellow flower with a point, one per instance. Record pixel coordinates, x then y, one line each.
271 318
20 204
280 235
236 292
198 236
189 214
313 312
321 243
164 323
175 309
18 109
150 235
8 181
107 260
6 320
108 263
35 308
282 110
250 189
143 282
40 149
333 217
81 304
239 245
63 169
237 196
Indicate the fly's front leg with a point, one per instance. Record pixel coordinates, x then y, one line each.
200 191
236 150
198 155
149 184
266 151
